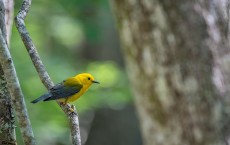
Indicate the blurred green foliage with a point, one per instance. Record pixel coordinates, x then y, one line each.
71 37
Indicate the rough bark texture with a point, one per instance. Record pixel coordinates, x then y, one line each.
177 58
7 127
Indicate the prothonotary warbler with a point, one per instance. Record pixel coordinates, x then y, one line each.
69 90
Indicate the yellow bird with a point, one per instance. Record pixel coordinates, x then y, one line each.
69 90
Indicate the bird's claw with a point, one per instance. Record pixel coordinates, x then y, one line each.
71 109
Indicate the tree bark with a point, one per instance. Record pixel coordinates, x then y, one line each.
177 58
7 127
9 12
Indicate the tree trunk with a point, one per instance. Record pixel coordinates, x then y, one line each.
7 127
177 60
7 135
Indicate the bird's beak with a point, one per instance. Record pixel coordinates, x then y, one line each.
95 82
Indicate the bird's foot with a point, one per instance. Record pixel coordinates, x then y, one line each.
71 108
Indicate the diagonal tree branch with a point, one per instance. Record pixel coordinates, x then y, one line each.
19 20
15 92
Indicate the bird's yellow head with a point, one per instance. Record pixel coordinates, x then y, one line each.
86 79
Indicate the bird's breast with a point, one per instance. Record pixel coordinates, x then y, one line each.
77 95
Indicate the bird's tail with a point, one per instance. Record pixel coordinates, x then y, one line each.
42 98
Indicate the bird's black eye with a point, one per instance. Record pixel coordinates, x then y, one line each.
89 78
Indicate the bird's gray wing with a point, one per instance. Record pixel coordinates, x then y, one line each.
60 91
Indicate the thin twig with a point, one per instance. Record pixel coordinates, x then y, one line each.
15 92
19 20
